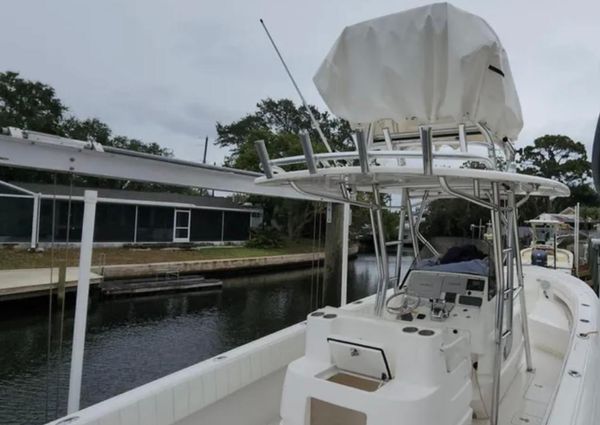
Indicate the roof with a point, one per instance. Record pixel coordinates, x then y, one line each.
133 195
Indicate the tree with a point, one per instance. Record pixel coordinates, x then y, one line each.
278 123
29 105
32 105
453 217
560 158
556 157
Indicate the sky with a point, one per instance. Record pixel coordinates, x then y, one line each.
167 71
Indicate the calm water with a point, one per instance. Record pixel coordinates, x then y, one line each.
132 341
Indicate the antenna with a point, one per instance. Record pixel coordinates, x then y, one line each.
315 124
205 149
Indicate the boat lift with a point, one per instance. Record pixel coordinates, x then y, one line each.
35 150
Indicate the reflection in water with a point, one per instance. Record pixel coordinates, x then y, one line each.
131 341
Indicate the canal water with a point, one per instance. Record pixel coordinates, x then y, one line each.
131 341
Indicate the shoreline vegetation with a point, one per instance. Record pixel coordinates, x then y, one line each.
11 258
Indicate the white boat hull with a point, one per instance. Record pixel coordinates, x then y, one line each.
245 385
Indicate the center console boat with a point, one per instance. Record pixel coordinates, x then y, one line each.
478 339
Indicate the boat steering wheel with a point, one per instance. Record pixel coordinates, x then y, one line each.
404 304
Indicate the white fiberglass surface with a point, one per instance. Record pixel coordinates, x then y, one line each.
530 393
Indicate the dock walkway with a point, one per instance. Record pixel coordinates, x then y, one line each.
22 283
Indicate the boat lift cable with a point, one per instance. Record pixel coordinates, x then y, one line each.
313 120
62 290
50 306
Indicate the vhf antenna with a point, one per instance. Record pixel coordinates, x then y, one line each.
315 123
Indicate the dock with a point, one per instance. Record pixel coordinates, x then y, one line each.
25 283
220 265
34 282
166 284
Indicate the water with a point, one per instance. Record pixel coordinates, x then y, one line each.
131 341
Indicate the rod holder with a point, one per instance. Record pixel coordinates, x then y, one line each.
308 152
462 138
263 156
425 136
388 138
363 156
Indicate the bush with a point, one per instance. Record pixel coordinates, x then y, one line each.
265 237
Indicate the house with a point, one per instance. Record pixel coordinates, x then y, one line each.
43 213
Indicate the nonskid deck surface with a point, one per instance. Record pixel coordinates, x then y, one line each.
530 393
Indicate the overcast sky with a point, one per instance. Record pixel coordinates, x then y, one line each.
167 71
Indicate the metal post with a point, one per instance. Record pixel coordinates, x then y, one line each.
555 243
387 137
263 156
375 241
517 254
462 138
35 230
308 152
222 226
411 223
417 225
510 277
135 225
81 303
425 135
400 246
205 150
345 240
499 271
363 156
576 240
385 270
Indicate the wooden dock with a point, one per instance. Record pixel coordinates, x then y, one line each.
163 284
25 283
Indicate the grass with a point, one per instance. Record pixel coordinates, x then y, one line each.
21 259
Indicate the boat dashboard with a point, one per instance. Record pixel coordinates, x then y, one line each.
454 302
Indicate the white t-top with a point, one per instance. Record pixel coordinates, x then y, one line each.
435 64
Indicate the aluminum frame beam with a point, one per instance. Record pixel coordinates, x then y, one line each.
77 157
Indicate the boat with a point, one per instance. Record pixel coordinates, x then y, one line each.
544 250
462 337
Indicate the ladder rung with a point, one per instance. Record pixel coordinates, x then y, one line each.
507 333
393 243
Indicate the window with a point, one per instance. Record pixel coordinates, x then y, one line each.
155 224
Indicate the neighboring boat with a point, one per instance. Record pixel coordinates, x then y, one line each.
467 337
544 250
